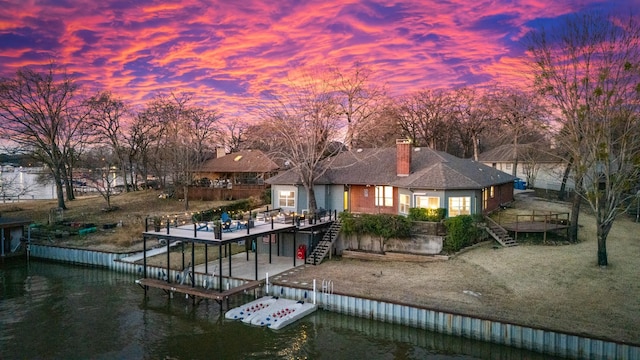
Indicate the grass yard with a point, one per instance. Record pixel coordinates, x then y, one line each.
553 285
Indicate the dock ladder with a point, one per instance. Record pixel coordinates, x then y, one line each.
327 291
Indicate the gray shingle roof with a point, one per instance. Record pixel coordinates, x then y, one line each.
430 169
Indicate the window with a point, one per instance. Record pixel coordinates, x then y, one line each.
485 198
286 199
459 206
492 192
508 166
428 202
384 196
404 204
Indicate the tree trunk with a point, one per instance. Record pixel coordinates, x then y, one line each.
476 147
69 189
59 191
311 196
603 232
575 213
67 176
515 157
185 189
124 178
562 195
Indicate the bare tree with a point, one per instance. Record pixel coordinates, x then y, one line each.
426 117
36 109
307 121
183 137
590 69
100 164
204 128
142 134
519 113
358 98
106 119
380 130
234 135
473 117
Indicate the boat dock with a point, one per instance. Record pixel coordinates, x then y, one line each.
270 247
197 292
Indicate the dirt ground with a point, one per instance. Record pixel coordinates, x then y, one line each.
557 287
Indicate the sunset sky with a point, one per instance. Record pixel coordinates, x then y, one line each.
231 53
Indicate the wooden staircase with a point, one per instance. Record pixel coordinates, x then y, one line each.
324 246
499 233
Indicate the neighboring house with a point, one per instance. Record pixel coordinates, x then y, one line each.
246 167
536 165
392 180
233 176
12 230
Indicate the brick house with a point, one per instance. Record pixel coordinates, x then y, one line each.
392 180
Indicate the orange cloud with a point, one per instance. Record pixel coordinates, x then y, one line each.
230 53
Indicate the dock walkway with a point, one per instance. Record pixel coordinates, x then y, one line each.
195 292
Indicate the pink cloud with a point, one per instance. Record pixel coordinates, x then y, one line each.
229 53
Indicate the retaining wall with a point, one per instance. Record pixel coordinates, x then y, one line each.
539 340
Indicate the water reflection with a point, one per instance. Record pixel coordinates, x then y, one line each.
57 311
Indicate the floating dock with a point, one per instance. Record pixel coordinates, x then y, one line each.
272 312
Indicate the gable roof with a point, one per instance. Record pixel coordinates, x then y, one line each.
506 153
430 169
245 161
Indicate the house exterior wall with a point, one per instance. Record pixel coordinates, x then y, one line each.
502 194
548 175
334 199
275 191
474 195
363 200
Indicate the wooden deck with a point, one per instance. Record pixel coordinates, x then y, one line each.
534 226
197 291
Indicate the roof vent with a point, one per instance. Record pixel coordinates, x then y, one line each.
237 158
416 149
359 150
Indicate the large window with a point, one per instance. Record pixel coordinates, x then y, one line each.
459 206
286 199
428 202
404 204
384 196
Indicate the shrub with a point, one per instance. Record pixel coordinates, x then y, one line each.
422 214
383 225
461 232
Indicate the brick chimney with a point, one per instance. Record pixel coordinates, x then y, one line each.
403 157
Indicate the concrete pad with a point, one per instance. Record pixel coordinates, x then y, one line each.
243 269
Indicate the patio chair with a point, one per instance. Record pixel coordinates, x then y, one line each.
226 226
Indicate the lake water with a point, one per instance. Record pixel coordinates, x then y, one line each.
60 311
19 183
